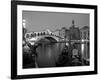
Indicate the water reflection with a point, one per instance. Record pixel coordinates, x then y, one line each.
47 55
54 55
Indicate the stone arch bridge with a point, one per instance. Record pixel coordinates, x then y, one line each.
32 38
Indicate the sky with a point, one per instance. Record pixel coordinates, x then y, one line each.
39 21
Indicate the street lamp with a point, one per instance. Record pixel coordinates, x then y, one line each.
24 23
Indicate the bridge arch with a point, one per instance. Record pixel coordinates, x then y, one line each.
43 38
46 39
53 40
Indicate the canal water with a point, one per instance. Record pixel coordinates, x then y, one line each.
48 54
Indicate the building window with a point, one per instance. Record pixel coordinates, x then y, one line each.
84 35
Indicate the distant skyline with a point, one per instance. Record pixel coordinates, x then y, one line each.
39 21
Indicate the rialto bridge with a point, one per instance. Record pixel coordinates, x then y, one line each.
33 37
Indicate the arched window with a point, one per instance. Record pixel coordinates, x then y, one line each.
34 34
38 34
43 33
27 35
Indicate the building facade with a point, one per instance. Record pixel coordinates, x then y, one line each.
74 37
74 32
62 32
84 32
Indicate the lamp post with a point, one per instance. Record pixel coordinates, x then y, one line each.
24 28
